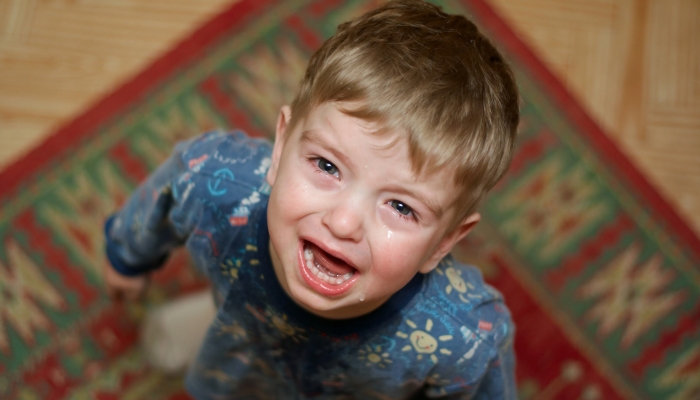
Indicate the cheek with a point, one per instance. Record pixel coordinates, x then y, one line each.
398 258
289 196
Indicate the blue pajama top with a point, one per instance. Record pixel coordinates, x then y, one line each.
446 334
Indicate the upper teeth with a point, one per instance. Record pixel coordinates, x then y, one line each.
322 272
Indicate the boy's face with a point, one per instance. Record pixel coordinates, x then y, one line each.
350 223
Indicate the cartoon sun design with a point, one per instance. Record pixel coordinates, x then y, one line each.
230 269
457 283
436 380
374 356
422 341
281 324
234 330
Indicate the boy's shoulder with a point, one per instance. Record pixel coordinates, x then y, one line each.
458 293
224 157
459 325
222 149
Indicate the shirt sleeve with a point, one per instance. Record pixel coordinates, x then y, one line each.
499 380
139 237
483 367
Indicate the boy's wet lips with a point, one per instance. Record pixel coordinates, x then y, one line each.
324 273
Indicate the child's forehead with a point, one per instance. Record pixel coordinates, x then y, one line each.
389 137
338 118
335 112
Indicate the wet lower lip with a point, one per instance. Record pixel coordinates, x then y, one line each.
318 284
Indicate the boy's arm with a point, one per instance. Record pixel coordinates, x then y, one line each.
498 383
499 380
140 235
493 351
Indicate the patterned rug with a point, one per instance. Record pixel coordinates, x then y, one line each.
602 276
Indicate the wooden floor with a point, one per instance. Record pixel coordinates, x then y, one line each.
634 65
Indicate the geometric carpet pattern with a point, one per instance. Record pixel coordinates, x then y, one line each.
602 276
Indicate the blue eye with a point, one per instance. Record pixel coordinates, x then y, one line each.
402 208
327 166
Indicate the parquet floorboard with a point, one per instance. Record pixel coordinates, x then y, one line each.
57 57
633 64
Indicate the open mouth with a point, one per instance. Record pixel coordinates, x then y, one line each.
325 273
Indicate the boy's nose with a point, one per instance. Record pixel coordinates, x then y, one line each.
345 220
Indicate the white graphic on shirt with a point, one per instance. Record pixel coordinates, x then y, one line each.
468 336
186 194
264 166
252 199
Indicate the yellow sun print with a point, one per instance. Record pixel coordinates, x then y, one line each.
423 342
230 269
235 330
457 283
374 356
281 324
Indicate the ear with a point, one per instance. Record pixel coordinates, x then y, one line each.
280 136
446 244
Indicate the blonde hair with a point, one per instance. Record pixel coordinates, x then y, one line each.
415 69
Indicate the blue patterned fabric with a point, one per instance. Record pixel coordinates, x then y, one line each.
446 334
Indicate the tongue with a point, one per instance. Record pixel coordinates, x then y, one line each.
333 264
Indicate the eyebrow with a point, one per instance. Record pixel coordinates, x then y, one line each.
310 137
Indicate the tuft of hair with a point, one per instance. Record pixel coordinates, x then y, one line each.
414 69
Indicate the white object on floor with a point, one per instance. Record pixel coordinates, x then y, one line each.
172 333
